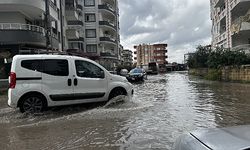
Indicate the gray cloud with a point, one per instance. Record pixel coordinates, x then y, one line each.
183 24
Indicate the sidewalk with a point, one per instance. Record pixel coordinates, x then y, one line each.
3 86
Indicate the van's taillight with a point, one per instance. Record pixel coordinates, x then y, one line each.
12 80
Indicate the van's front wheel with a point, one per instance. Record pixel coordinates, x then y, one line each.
32 104
117 92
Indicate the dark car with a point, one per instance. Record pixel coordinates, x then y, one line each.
136 74
231 138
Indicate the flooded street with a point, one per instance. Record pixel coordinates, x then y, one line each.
163 108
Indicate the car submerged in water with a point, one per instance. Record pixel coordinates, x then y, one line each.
136 74
231 138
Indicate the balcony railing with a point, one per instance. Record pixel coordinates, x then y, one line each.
108 39
77 22
108 54
80 39
107 23
18 26
107 7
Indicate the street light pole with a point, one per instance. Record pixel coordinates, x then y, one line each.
47 25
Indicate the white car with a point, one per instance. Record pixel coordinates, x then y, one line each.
40 81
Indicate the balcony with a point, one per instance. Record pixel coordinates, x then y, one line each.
108 55
234 3
75 23
239 25
106 7
107 23
108 39
31 8
80 39
71 13
14 33
72 34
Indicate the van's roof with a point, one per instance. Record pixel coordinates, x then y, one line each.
46 56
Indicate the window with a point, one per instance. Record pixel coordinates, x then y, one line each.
88 70
56 67
53 67
34 65
89 2
91 48
76 45
90 18
90 33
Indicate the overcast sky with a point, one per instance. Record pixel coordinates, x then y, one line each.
182 24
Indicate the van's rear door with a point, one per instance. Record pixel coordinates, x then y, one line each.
28 75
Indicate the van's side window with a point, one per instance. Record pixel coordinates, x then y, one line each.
34 65
88 70
56 67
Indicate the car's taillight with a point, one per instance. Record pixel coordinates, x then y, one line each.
12 80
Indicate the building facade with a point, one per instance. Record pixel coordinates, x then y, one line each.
230 23
30 25
127 58
146 53
87 28
101 31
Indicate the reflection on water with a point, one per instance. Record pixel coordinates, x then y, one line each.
163 107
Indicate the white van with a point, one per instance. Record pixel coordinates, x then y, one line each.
40 81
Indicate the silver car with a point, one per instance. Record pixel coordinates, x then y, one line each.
231 138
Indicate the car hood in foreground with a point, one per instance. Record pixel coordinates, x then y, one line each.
231 138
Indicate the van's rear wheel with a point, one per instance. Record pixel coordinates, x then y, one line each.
32 104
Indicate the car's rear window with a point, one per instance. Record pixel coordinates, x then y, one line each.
136 71
55 67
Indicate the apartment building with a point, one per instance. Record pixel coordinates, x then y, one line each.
146 53
24 25
127 57
230 23
87 28
100 32
75 26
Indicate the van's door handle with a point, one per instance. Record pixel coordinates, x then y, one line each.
69 82
75 82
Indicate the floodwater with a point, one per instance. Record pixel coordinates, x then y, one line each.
163 108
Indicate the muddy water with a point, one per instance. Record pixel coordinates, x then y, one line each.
163 107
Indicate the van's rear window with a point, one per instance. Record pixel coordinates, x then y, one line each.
55 67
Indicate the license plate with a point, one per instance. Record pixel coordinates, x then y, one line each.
133 78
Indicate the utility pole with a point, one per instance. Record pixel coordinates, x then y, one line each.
62 22
48 34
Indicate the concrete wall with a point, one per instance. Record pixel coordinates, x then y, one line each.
238 74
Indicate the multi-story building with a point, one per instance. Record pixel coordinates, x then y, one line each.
88 28
24 25
127 57
101 29
230 23
75 25
146 53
